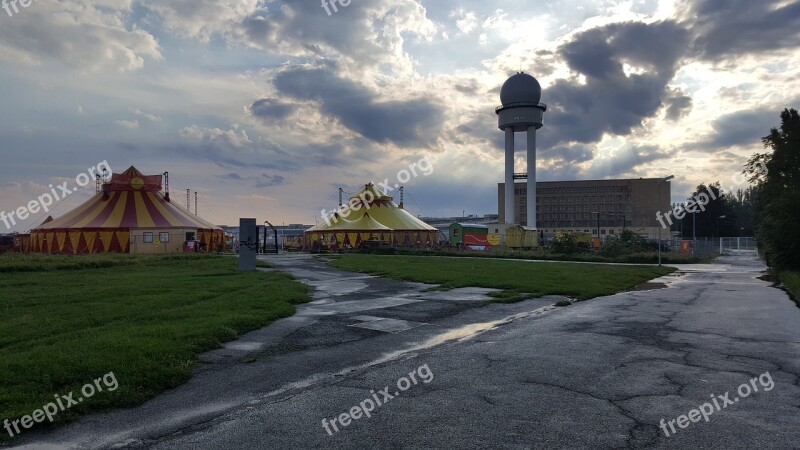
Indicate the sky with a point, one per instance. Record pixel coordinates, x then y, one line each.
267 108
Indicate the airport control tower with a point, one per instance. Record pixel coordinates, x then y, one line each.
520 112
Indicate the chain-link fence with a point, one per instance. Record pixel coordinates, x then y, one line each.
737 245
705 247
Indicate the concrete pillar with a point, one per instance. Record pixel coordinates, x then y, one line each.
531 205
510 213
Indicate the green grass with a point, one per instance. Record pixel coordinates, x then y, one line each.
791 279
517 279
547 255
69 320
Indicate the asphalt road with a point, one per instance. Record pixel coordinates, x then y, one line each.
436 370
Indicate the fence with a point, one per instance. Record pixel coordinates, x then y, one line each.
705 247
737 245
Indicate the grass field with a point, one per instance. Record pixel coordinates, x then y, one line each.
65 321
517 279
547 255
791 279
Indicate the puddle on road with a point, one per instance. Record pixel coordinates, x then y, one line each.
649 286
460 334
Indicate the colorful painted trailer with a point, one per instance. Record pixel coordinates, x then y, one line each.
469 236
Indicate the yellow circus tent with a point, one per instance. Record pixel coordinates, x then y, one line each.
370 215
129 215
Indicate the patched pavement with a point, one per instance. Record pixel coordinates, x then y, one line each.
597 374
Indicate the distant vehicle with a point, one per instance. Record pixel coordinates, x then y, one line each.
469 236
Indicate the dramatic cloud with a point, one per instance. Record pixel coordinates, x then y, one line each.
627 68
730 28
270 109
368 33
678 105
86 37
740 128
412 122
201 19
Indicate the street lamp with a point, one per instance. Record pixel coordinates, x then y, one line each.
598 224
694 228
665 179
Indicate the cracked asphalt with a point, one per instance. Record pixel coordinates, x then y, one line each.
597 374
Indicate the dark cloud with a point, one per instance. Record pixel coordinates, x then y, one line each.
610 101
266 180
408 123
740 128
470 88
729 28
270 108
678 105
568 154
624 161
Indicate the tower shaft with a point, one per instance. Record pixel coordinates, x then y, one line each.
509 187
531 203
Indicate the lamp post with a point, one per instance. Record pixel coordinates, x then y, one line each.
598 224
694 234
665 179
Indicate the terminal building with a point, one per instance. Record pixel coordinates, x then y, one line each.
599 207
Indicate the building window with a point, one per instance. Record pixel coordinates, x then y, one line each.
148 238
163 237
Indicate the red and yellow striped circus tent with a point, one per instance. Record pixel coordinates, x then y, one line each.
370 215
129 215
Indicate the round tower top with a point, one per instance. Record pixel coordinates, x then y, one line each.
520 88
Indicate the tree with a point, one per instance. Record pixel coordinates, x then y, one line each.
706 218
777 174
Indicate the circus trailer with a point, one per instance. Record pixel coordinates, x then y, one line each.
129 214
519 237
469 236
